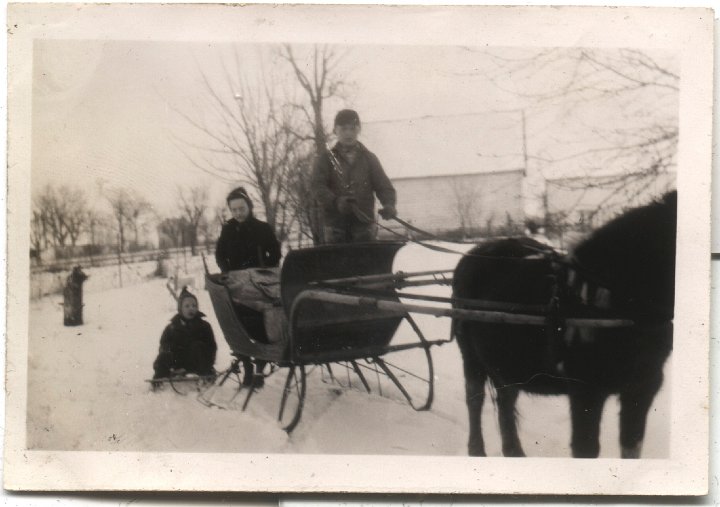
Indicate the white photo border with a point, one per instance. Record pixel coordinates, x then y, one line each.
687 31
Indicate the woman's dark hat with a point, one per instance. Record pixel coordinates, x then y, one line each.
240 193
347 117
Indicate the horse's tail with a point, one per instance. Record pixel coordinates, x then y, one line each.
453 334
492 388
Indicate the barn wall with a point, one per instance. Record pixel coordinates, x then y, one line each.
435 203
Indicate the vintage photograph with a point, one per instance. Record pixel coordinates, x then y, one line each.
325 246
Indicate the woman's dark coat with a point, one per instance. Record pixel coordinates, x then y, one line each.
248 244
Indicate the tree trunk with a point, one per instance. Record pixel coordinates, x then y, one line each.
193 241
121 237
318 225
320 137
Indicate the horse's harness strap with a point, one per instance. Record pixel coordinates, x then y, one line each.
588 288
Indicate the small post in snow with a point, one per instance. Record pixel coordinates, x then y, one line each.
73 297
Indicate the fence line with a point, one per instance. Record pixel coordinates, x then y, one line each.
112 258
111 275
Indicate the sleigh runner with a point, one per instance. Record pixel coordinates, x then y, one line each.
181 383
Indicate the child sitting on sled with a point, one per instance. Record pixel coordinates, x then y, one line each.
187 344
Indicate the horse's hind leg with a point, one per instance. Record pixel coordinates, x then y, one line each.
586 410
634 406
506 400
474 397
475 377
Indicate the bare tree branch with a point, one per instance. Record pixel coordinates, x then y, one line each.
193 203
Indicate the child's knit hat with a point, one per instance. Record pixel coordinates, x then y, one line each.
184 293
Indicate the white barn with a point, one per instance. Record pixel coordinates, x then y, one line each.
465 203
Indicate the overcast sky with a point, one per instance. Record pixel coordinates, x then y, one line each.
108 111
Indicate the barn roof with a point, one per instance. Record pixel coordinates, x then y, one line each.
458 144
458 175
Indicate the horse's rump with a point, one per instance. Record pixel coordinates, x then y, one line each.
512 271
523 273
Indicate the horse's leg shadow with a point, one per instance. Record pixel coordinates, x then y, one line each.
507 417
635 404
586 410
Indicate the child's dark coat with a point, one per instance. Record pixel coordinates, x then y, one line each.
186 344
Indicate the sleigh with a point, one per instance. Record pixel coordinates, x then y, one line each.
339 310
315 327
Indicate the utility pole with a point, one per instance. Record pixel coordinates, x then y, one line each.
524 141
535 184
119 255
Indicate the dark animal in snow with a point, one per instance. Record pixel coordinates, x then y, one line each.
624 270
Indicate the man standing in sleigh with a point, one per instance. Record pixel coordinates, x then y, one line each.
346 180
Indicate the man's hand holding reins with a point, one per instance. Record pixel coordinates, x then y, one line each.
388 212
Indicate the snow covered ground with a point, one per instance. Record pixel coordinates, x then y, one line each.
86 391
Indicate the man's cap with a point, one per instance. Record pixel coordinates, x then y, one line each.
347 117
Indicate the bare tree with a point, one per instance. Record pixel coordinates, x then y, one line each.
610 115
175 230
302 199
139 210
208 231
94 222
38 234
320 82
220 215
193 203
50 204
60 214
119 200
75 212
128 209
247 135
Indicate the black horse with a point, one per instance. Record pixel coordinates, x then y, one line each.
623 274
